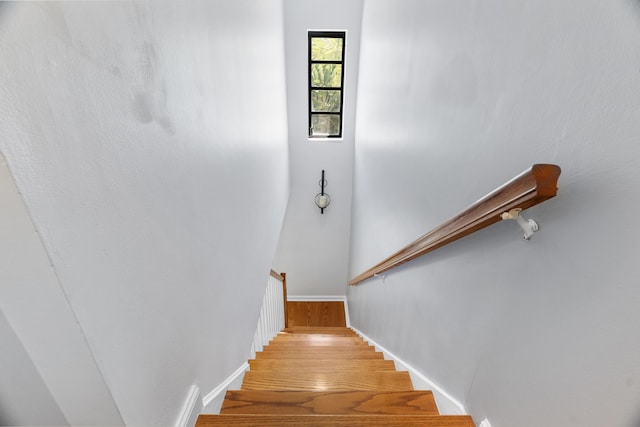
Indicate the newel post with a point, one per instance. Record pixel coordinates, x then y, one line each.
284 296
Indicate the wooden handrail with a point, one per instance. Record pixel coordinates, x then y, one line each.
530 188
276 275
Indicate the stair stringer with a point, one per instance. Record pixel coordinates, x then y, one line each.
212 402
447 404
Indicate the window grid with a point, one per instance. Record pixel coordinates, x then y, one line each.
326 117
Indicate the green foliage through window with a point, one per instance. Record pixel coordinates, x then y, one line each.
326 46
326 75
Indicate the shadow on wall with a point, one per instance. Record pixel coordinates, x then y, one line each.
5 9
634 6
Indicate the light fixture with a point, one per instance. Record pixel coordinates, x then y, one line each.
322 199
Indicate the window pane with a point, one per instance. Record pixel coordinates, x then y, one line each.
325 125
325 101
326 75
326 49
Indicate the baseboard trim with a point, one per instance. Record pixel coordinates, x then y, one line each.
191 409
222 387
456 408
316 298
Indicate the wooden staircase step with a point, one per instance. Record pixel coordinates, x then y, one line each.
319 365
336 330
327 355
323 381
324 402
348 342
289 347
320 346
269 420
317 337
327 376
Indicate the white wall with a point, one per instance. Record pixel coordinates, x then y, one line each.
22 387
152 159
46 360
314 248
455 98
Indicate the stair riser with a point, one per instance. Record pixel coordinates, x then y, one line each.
327 403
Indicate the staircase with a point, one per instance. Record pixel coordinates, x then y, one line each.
327 376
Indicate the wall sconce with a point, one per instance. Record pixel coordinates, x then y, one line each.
322 199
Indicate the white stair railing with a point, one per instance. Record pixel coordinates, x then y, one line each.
272 313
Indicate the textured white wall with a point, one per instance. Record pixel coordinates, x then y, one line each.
21 386
454 99
152 158
41 337
314 248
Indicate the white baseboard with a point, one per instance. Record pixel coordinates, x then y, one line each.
447 405
191 409
218 392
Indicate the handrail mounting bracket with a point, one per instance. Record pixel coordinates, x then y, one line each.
529 226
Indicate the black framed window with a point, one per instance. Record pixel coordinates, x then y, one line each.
326 81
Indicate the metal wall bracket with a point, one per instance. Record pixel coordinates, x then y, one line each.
529 226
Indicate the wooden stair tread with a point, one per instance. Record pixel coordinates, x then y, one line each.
350 342
325 402
337 355
322 381
319 330
316 336
321 339
269 420
317 346
297 365
316 329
